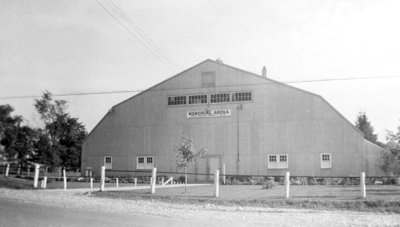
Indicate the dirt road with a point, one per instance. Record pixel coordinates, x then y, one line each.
69 208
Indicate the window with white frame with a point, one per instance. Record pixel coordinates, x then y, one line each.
176 100
144 162
197 99
241 96
219 98
278 161
108 162
326 161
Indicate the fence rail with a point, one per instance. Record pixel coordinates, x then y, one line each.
151 178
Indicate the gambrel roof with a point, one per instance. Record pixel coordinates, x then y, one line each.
262 80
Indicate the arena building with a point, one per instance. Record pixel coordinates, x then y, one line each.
251 123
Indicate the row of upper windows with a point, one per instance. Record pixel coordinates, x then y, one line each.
214 98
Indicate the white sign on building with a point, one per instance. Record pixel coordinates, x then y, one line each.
209 113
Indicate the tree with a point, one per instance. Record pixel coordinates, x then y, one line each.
62 137
186 155
366 128
16 141
390 162
72 135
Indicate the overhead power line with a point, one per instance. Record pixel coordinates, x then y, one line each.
137 91
139 36
71 94
141 33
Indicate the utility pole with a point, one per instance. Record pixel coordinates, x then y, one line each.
239 107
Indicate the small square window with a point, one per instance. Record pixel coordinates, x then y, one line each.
108 162
278 161
326 161
145 162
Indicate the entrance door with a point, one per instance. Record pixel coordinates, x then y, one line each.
201 169
213 164
206 167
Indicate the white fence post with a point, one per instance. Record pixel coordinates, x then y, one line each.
216 182
7 169
362 184
153 180
36 176
45 182
103 178
135 180
65 179
91 182
162 180
19 170
116 182
287 183
223 174
29 171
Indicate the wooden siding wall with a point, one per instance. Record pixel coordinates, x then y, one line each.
373 154
279 120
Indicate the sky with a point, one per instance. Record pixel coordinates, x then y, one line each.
69 47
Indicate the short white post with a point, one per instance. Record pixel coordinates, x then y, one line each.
91 182
216 183
153 180
116 182
135 180
29 171
36 176
65 179
19 170
7 169
362 184
162 180
287 183
45 182
223 174
103 178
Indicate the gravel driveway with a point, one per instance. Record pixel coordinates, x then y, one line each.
210 214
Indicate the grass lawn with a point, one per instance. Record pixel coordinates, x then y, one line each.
379 198
15 183
382 198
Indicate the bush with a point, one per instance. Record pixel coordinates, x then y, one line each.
270 184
